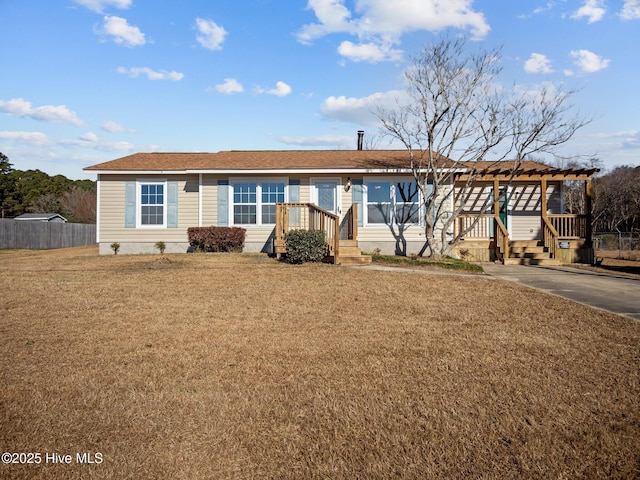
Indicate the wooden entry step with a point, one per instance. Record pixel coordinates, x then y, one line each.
529 252
350 254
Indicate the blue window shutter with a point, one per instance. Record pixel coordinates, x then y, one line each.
223 203
130 205
172 204
294 190
356 197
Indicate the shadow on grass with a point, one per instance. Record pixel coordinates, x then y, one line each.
629 269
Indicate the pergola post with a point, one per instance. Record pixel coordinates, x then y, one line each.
543 196
588 193
496 199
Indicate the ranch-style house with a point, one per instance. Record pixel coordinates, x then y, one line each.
365 201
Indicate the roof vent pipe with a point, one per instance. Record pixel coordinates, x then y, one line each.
360 139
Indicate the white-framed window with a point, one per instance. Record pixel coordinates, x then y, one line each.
253 201
152 203
391 201
272 193
245 203
407 202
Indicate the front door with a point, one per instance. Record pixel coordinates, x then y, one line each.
325 194
504 206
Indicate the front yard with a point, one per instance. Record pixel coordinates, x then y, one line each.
237 366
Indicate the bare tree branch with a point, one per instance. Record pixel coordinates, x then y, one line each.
457 116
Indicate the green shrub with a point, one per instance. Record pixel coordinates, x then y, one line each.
115 246
216 239
305 246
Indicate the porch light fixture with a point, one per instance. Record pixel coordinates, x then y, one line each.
347 185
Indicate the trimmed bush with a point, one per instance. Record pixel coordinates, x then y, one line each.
216 239
305 246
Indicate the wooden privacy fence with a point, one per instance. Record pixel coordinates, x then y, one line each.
45 235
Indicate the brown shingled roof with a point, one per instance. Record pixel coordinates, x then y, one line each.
259 160
306 159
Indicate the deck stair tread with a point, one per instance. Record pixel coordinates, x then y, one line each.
350 253
529 252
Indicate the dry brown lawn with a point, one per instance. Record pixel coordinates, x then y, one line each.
238 367
625 263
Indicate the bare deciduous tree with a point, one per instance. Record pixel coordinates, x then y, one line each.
573 191
458 115
617 200
79 205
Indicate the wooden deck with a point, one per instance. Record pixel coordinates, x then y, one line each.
556 229
342 243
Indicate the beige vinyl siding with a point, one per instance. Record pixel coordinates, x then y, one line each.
210 199
554 198
193 192
476 197
525 203
305 190
112 210
525 206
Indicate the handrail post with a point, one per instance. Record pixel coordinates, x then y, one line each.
336 240
308 216
354 222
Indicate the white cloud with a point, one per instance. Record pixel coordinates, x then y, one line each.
631 10
592 10
333 16
538 63
151 74
281 90
330 141
382 23
47 113
211 34
34 139
99 5
360 111
82 142
631 139
588 61
89 137
112 127
122 32
117 147
230 85
538 10
368 52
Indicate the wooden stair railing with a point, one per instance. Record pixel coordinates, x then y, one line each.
307 216
550 237
351 222
569 226
501 239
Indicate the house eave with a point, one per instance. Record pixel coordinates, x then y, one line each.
280 171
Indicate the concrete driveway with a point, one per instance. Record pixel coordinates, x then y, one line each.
613 293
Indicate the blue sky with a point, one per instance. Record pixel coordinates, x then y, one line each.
86 81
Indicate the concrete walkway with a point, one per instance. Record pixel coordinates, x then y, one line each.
609 292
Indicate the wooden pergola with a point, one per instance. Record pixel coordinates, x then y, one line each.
555 227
